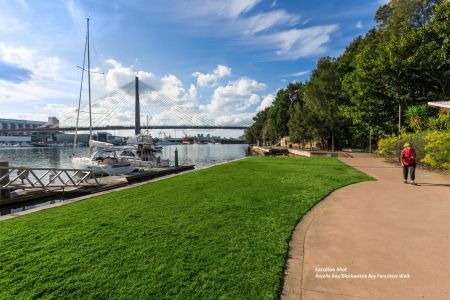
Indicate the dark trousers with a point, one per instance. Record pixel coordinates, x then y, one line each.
411 169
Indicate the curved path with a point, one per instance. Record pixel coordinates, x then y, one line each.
398 233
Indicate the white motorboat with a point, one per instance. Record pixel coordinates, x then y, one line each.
93 144
105 162
142 147
133 155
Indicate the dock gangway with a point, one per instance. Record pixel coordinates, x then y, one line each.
22 178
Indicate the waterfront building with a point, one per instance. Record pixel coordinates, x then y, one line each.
66 138
21 137
19 124
15 139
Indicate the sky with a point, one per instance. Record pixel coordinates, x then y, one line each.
217 62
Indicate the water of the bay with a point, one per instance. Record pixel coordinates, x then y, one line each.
59 157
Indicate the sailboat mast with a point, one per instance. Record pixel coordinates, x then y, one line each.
89 80
79 99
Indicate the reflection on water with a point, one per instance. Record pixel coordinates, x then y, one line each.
198 155
58 157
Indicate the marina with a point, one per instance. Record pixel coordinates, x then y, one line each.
59 158
44 162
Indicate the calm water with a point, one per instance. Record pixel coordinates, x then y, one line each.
199 155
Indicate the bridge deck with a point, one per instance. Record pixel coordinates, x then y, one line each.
6 131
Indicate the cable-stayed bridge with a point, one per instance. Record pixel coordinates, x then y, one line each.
138 105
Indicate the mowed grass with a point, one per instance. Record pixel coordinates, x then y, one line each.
221 232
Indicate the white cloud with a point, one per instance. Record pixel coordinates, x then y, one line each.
30 91
77 15
266 102
230 9
192 92
173 87
252 100
117 76
210 79
12 25
299 74
275 31
230 97
44 80
264 21
235 8
17 55
235 119
167 101
359 24
297 43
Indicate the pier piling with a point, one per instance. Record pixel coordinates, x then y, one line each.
176 157
4 162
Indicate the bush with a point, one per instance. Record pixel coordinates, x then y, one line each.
433 147
390 147
437 150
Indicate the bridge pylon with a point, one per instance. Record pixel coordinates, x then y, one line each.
137 109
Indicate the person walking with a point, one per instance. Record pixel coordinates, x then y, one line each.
408 159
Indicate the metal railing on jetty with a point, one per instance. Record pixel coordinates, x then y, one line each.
12 177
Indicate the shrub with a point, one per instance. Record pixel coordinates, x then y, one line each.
438 149
416 116
390 147
433 147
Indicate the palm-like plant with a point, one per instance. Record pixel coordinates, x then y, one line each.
416 117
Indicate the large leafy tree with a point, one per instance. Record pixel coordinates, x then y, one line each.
323 97
253 134
421 55
279 113
404 60
370 88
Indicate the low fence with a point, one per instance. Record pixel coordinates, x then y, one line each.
13 178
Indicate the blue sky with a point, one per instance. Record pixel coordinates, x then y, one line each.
223 60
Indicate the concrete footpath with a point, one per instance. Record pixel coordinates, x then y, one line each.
374 240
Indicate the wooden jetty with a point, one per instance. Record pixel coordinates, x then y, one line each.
99 184
156 172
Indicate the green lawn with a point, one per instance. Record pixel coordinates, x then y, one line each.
221 232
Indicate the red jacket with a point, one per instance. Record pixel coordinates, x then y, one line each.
408 156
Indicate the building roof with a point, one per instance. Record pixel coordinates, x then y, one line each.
21 121
445 105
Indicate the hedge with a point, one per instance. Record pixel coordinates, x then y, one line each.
433 147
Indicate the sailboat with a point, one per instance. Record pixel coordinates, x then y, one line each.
105 160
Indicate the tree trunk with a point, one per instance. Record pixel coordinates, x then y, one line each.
332 139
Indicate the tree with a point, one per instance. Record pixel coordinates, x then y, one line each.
253 134
323 97
403 60
300 124
269 132
422 56
279 113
